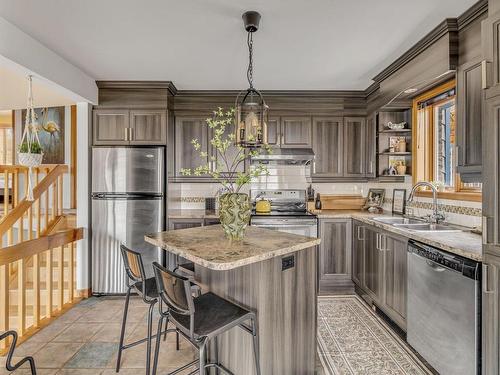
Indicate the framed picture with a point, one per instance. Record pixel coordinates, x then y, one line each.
375 198
399 201
51 133
394 143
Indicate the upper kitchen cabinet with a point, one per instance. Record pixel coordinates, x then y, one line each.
469 121
132 113
327 143
129 127
273 131
371 148
296 132
289 131
110 127
148 127
354 146
187 129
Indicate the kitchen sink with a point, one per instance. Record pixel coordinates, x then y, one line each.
397 220
426 227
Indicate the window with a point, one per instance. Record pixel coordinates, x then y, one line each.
434 135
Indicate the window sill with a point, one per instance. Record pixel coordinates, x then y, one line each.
453 195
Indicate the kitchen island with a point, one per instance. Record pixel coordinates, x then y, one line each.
272 273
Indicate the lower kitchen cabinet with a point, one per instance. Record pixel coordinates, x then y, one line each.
173 260
395 277
358 252
379 269
373 264
491 315
334 261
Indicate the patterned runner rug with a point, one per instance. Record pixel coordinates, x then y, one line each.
353 340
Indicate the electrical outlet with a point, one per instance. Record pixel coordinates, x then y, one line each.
287 262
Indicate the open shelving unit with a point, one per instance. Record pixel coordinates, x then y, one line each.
384 136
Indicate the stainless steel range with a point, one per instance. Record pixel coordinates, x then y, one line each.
288 212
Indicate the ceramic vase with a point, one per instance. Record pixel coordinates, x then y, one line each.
234 212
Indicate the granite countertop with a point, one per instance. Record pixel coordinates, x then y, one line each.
466 244
208 247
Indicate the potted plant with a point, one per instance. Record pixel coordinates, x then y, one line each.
30 153
222 166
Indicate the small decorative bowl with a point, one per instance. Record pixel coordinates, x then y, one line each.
398 126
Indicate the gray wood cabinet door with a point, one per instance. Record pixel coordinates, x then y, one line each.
296 132
395 277
110 127
373 267
371 150
469 121
358 252
173 260
273 131
354 146
148 127
187 129
491 163
335 254
490 35
490 315
327 143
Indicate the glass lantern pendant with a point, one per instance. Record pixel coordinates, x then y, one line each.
251 109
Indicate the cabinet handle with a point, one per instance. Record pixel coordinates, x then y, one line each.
384 242
484 229
485 74
371 167
314 167
377 242
485 280
282 139
359 233
126 134
131 134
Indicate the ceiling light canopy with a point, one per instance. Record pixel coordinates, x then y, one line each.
251 109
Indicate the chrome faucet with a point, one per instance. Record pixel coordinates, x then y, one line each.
436 216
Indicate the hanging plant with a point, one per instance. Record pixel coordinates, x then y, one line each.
30 153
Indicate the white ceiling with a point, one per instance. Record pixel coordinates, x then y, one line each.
14 91
200 44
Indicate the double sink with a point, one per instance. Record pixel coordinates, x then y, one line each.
416 225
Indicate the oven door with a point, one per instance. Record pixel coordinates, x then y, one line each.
303 226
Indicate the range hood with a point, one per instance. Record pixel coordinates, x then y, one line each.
287 156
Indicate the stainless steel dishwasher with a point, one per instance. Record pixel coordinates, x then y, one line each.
444 309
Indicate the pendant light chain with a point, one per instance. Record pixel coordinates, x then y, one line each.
250 59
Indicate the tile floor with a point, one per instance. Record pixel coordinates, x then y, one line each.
84 341
352 340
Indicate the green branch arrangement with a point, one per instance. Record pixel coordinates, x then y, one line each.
223 164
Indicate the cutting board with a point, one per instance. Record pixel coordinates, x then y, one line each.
342 202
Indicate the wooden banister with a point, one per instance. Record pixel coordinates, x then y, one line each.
28 303
26 249
21 208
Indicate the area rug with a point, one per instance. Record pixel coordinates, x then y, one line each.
353 340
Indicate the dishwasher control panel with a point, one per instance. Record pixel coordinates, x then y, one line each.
467 267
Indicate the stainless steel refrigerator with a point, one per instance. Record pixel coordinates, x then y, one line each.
127 202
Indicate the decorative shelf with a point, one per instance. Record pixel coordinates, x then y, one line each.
395 153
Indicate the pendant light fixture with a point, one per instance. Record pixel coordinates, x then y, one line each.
251 109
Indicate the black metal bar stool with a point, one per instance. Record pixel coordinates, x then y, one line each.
146 288
201 319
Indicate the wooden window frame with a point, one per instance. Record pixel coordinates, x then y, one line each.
459 192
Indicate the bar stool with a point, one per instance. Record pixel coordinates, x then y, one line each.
146 288
200 320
